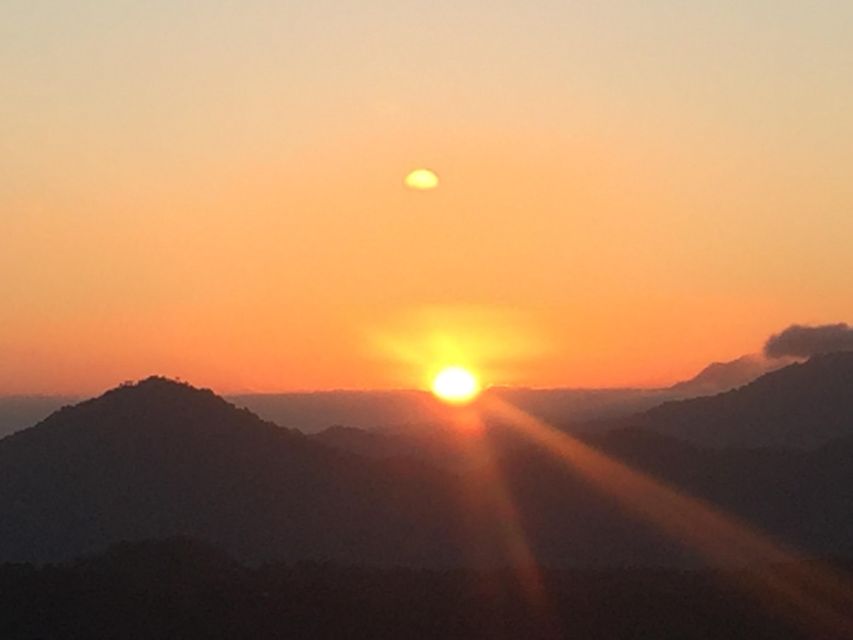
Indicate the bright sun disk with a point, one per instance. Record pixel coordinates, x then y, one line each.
456 385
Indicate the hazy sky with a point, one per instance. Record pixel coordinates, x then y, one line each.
214 190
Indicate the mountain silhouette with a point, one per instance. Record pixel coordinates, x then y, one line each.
406 409
161 459
316 411
719 377
801 405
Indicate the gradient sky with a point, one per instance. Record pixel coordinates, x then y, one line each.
214 190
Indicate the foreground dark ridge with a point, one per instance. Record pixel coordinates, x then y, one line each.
180 588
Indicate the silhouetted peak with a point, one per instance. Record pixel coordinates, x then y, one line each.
824 369
153 405
803 404
152 397
159 388
718 377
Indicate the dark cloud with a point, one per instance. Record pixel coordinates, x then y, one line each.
800 341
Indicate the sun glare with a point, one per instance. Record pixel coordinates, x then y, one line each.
455 385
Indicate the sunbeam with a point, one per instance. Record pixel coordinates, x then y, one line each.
783 579
497 499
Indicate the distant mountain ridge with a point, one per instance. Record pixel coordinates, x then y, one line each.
317 411
792 405
801 405
719 377
312 412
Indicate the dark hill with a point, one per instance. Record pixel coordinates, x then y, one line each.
802 405
160 458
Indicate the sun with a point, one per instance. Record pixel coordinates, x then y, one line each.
456 385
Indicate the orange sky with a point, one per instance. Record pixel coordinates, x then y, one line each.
216 193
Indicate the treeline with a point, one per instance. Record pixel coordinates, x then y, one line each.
180 588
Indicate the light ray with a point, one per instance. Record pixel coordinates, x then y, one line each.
784 579
478 450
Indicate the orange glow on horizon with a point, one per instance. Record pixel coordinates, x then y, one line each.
515 166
